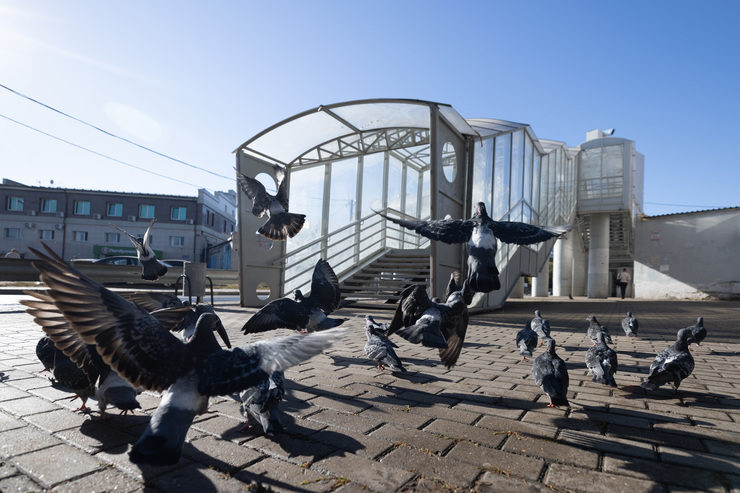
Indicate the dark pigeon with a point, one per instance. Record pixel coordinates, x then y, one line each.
541 326
551 374
594 327
698 331
672 365
601 361
45 353
281 223
261 403
307 313
417 313
152 268
630 325
142 351
379 348
526 341
480 233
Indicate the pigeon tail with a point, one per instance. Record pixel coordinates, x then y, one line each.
162 441
123 397
330 323
484 284
282 226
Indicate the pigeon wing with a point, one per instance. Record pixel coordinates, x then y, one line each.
444 230
153 300
282 313
256 193
413 303
282 192
426 331
523 233
454 332
325 290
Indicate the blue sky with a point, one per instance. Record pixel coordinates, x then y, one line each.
195 79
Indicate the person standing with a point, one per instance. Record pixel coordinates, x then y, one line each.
623 279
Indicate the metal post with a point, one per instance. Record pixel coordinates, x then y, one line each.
358 206
384 227
326 201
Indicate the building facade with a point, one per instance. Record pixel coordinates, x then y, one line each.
78 223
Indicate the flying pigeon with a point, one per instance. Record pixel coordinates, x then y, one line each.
379 348
281 223
307 313
526 340
698 331
630 325
601 361
417 313
152 268
551 374
541 326
140 349
594 327
260 402
480 233
672 364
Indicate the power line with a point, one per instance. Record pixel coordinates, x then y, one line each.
98 153
230 178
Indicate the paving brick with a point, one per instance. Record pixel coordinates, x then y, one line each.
118 457
400 416
503 425
551 450
60 419
296 450
376 476
419 439
54 465
284 476
352 422
109 480
8 422
356 443
492 482
27 405
95 436
197 479
497 461
677 475
452 472
9 393
19 484
578 479
457 431
607 444
221 426
7 470
26 439
223 455
712 462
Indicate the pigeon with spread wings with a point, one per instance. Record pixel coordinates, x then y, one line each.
281 224
307 313
480 233
152 268
142 351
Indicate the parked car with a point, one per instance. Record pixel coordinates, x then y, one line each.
175 262
115 260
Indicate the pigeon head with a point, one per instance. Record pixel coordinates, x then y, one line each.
537 313
591 318
297 295
203 341
369 320
700 321
629 314
480 210
551 345
685 336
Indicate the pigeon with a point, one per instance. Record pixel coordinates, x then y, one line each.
154 300
152 268
698 331
45 353
140 349
672 364
379 348
601 361
307 313
281 223
594 327
526 340
82 382
480 233
416 313
630 325
261 401
541 326
551 374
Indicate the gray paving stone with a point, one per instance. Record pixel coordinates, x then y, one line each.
54 465
18 484
374 475
551 450
719 463
284 476
7 470
95 436
27 405
60 419
223 455
109 480
8 422
22 440
417 438
452 472
201 479
497 461
492 482
578 479
672 474
458 431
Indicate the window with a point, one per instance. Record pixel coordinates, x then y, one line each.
178 213
115 209
146 211
80 235
112 237
82 207
15 203
48 205
13 233
46 234
177 241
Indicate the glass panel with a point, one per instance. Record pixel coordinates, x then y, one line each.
115 210
48 205
13 233
449 161
307 198
394 183
483 173
46 234
372 183
517 153
112 237
543 186
82 207
590 163
501 176
527 169
426 204
536 181
15 203
613 161
412 192
342 194
145 211
178 213
384 115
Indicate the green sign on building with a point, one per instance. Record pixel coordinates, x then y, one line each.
101 251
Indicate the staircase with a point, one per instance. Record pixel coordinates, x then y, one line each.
381 281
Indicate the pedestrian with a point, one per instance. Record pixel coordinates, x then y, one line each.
623 279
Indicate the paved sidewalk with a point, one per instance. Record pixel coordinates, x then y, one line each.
482 426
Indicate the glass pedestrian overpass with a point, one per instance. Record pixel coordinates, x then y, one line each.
410 159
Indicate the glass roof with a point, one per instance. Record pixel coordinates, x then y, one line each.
292 138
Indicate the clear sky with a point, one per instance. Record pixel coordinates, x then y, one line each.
194 79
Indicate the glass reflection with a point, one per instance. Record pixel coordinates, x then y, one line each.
501 176
483 172
449 161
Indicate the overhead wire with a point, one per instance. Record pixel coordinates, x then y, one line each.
111 134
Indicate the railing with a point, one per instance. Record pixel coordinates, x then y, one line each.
348 248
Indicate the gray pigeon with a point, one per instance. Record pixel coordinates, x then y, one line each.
416 312
260 402
306 313
551 374
281 223
80 381
630 325
601 361
152 268
526 340
698 331
480 233
379 348
672 364
142 351
541 326
594 327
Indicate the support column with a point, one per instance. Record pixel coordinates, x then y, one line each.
598 257
579 267
518 290
562 266
541 282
